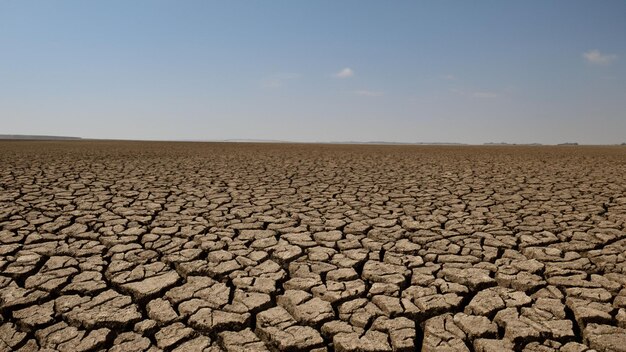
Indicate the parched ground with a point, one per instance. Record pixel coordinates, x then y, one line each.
129 246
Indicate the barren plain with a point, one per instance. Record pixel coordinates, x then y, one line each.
150 246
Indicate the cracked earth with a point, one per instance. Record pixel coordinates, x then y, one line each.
128 246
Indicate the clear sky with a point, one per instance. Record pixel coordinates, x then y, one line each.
407 71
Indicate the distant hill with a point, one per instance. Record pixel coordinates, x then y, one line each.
37 137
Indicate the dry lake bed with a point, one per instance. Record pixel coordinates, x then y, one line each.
150 246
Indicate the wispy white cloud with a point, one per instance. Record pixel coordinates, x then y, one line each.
345 73
479 94
279 80
484 94
369 93
449 77
597 58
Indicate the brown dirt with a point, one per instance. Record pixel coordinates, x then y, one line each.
150 246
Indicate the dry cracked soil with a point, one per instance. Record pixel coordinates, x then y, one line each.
146 246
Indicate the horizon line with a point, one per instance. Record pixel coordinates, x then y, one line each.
34 137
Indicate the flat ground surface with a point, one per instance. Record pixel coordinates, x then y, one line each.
125 246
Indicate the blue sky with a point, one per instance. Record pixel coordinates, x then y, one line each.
409 71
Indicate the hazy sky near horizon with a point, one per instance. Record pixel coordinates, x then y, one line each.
404 71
